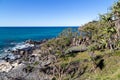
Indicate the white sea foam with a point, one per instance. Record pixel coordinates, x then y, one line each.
22 46
7 51
10 56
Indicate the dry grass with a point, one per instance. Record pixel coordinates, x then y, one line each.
111 71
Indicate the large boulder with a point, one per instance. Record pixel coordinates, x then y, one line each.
75 49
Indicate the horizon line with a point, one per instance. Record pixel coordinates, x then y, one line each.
39 26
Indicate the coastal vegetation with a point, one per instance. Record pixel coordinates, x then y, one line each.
92 52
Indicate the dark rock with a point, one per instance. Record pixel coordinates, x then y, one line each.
35 42
19 78
28 69
47 70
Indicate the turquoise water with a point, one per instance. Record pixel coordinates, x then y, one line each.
11 35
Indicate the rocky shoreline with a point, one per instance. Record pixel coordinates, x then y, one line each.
34 61
16 63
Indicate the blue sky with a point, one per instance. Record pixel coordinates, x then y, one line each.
51 12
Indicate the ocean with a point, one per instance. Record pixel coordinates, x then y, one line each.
13 36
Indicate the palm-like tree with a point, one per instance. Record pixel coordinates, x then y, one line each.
90 30
116 10
108 29
116 13
106 17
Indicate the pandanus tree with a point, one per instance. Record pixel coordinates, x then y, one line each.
116 13
90 30
108 30
116 10
106 17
